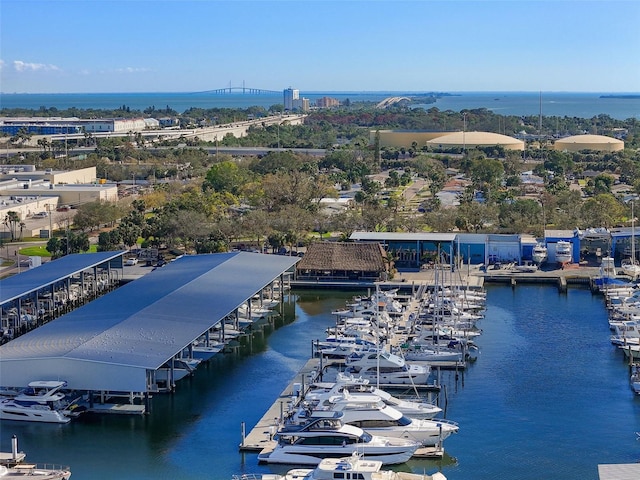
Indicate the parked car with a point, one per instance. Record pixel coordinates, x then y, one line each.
40 215
131 261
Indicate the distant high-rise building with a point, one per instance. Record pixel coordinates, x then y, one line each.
289 96
327 102
301 104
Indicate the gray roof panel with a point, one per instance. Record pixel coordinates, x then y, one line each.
147 321
29 281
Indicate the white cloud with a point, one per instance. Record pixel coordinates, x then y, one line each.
132 70
1 64
21 66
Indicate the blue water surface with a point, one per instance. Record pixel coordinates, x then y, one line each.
547 397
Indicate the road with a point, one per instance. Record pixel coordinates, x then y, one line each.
9 252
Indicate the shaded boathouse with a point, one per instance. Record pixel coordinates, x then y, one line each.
40 294
119 342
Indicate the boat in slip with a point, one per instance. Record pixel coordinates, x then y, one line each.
353 467
13 466
386 368
370 413
320 391
41 401
329 437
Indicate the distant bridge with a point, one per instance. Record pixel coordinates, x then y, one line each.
242 90
387 102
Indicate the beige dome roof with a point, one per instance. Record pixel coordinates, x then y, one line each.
589 142
473 139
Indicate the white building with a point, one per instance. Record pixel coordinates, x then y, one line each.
290 95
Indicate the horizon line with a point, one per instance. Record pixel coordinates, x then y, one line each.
355 92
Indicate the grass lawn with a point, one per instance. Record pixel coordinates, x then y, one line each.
35 251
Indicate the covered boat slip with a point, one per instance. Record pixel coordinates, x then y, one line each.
45 290
117 342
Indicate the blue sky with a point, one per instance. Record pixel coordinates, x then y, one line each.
349 45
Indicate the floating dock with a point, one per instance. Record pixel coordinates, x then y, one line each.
260 438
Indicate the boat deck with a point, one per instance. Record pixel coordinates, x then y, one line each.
621 471
9 459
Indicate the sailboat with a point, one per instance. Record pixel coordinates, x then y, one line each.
630 265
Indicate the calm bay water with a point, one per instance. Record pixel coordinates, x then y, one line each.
583 105
548 393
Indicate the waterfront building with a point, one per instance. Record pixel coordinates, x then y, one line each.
327 261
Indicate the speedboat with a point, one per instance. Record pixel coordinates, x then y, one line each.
41 401
320 391
319 438
369 412
386 368
353 467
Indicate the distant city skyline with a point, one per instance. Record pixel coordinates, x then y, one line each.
74 46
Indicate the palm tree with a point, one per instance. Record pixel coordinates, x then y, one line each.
11 221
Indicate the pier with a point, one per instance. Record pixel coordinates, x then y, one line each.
260 438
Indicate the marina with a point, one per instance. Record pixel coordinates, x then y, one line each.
489 400
278 381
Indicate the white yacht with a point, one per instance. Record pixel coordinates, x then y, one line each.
564 252
320 391
353 467
369 412
382 367
540 253
14 467
41 401
419 352
321 438
33 472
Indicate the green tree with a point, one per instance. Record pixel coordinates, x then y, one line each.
12 222
55 247
226 177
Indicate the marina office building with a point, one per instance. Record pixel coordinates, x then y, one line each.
128 340
412 251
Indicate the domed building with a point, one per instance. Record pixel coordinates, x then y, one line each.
598 143
402 138
476 139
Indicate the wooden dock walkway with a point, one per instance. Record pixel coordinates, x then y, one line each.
260 437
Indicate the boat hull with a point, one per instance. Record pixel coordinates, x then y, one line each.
9 410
